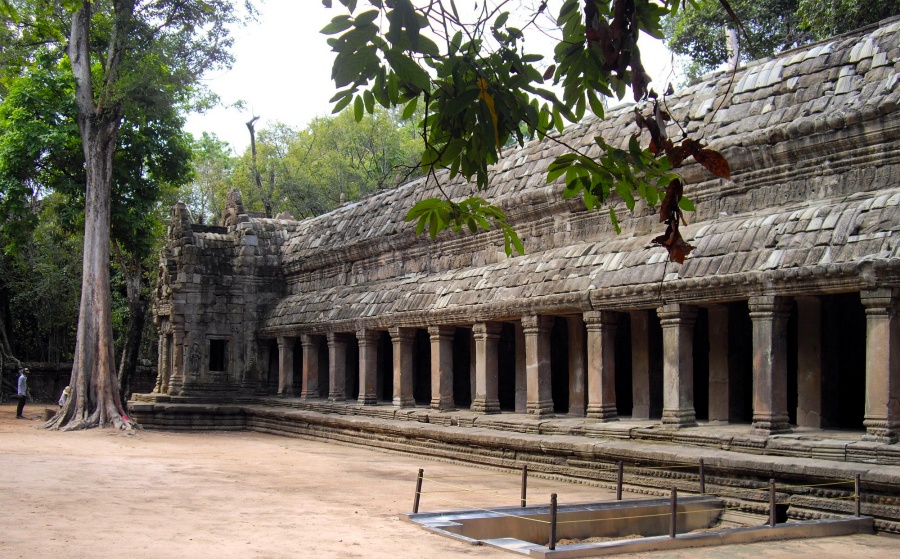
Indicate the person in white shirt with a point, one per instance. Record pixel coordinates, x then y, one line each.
23 389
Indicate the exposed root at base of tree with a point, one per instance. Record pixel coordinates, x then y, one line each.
66 420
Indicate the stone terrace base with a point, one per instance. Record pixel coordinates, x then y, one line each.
656 457
819 444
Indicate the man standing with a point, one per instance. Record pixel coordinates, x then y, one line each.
23 387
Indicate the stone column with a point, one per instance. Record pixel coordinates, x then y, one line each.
286 366
810 360
162 367
337 366
176 381
719 371
770 316
368 367
601 344
442 367
678 364
473 365
882 419
487 373
640 364
577 373
521 370
310 388
402 339
537 364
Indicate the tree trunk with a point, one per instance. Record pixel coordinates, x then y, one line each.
94 400
137 310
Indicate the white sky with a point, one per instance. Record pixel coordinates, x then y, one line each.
282 71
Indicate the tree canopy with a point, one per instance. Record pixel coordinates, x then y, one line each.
767 27
482 84
307 171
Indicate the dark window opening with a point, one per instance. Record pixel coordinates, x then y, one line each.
506 368
462 367
701 365
422 367
624 396
218 350
559 365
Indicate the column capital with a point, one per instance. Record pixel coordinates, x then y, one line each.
282 340
307 341
675 314
768 306
402 334
443 331
879 301
367 337
535 323
336 338
487 330
596 320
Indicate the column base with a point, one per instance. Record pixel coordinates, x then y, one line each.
679 418
404 402
308 395
604 412
577 411
336 398
442 405
640 412
539 409
485 406
367 400
880 431
771 425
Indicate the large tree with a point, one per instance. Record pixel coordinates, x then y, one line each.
124 54
40 152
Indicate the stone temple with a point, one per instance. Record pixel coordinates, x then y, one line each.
783 320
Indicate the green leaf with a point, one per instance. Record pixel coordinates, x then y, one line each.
341 104
366 18
686 205
358 108
337 24
410 108
369 101
407 70
615 220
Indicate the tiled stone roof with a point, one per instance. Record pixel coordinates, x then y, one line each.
813 139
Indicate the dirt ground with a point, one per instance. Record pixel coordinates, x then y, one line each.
99 493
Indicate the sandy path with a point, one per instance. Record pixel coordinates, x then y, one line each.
99 494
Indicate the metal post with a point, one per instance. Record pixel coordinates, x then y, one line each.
620 475
552 545
418 490
858 499
673 522
772 519
524 484
702 478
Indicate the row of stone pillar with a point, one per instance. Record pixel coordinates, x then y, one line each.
769 316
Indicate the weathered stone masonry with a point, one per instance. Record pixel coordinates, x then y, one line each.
786 314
